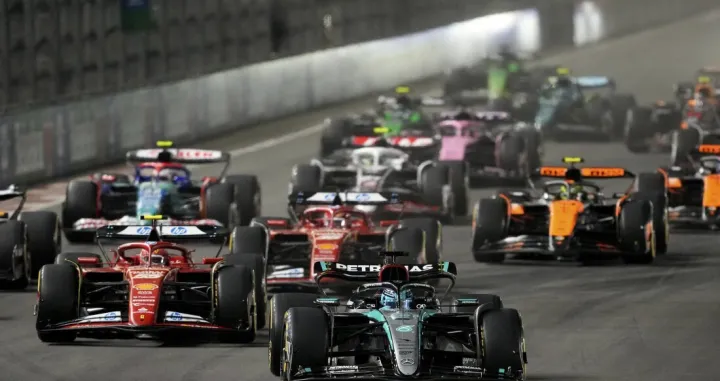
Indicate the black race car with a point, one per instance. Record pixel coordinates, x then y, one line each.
394 327
28 241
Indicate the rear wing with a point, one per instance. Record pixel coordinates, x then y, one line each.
346 198
585 172
369 273
162 233
595 82
178 155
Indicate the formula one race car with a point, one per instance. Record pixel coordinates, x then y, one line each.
162 185
150 289
425 186
656 127
709 75
395 328
488 143
28 240
565 106
650 128
327 226
572 219
694 190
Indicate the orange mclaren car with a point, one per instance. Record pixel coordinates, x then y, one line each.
570 218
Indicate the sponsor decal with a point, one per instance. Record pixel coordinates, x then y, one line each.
469 369
407 362
145 292
145 287
289 273
144 310
147 274
143 230
144 303
111 316
326 246
406 353
178 230
404 328
376 268
342 369
174 316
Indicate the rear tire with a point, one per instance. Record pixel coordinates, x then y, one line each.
57 301
490 220
433 236
683 143
219 202
13 241
410 240
80 202
44 239
459 184
652 187
248 201
306 178
279 304
638 128
236 302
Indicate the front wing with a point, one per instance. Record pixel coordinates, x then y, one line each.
546 246
373 372
93 224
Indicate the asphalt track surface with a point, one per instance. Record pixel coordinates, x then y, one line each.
609 322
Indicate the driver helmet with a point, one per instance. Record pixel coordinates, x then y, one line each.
571 191
563 82
389 299
704 92
158 257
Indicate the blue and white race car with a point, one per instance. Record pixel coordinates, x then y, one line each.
161 185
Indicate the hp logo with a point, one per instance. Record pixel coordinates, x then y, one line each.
145 230
363 197
178 230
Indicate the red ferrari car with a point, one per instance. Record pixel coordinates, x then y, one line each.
329 226
150 289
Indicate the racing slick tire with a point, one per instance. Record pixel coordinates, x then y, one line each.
409 240
58 301
489 224
511 155
235 302
279 304
80 202
651 186
501 339
433 183
433 236
619 106
220 204
632 222
257 263
307 336
638 128
456 306
44 239
683 143
459 184
14 255
335 131
248 199
306 178
246 240
64 258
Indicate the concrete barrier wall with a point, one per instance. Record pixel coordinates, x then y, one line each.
55 141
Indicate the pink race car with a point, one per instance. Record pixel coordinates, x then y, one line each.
488 144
